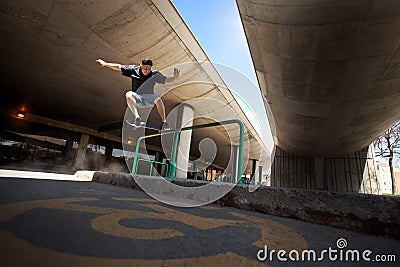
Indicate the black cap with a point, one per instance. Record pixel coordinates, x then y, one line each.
147 61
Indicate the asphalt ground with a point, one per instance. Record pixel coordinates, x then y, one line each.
74 223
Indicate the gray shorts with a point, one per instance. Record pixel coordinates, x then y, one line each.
146 100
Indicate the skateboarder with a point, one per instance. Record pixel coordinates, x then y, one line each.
143 82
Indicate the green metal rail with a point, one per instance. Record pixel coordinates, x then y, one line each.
176 132
153 162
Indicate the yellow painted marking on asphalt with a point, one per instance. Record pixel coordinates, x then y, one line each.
189 219
135 199
109 224
17 252
276 235
209 207
9 211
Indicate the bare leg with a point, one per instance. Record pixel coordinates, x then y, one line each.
131 102
161 109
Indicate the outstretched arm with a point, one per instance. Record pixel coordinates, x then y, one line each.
114 66
173 78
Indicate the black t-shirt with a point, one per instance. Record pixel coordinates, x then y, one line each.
142 84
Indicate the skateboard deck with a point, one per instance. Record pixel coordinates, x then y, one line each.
145 125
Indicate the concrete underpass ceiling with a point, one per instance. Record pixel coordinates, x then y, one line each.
48 53
329 70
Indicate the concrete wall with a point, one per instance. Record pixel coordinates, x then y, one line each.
354 173
378 215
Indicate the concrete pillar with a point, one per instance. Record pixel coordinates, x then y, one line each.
235 163
108 153
81 154
68 152
195 169
184 118
253 170
260 174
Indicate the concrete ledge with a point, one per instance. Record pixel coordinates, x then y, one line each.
84 175
371 214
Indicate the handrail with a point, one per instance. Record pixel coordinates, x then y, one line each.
175 147
155 162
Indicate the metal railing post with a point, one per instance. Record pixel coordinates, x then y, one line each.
241 144
174 152
135 158
172 170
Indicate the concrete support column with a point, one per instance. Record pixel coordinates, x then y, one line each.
253 170
68 152
81 154
260 174
108 153
235 163
184 118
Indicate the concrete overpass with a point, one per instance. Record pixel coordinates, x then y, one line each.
48 52
329 73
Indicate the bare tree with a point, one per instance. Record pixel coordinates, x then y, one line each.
388 146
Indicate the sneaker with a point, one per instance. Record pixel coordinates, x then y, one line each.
138 122
165 126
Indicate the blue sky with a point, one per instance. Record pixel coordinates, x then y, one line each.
218 28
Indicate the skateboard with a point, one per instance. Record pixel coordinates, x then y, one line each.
145 125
